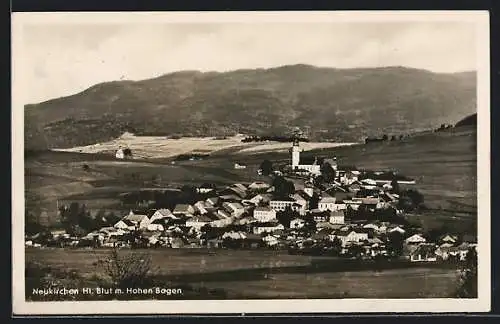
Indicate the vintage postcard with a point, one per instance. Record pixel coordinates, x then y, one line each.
250 162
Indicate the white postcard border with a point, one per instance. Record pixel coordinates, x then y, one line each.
481 304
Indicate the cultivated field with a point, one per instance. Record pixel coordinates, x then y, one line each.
401 283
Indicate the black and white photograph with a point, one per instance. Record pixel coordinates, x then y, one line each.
250 162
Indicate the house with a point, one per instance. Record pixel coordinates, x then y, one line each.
350 237
133 221
398 229
267 228
162 213
297 223
337 217
300 204
239 166
319 215
324 225
247 220
424 253
447 251
125 224
157 225
264 214
212 201
183 210
415 239
258 185
220 219
198 221
223 213
270 240
234 235
234 208
372 203
205 188
259 199
281 204
230 198
448 238
201 207
327 203
56 233
372 226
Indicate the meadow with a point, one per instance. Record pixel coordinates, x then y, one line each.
215 271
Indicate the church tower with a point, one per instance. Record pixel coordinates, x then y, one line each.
295 154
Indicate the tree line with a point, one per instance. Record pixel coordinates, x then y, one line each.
273 138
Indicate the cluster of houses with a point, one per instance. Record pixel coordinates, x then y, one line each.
242 215
252 216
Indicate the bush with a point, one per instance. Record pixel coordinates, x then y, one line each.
129 270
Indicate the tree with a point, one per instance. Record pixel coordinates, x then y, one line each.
337 245
395 243
327 172
395 186
86 167
310 225
267 167
127 152
283 187
468 276
285 217
385 137
313 203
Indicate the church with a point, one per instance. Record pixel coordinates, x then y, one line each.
311 165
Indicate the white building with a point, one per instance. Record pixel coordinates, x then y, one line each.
267 228
264 214
327 203
337 217
281 204
119 154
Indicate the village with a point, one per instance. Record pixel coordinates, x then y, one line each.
311 206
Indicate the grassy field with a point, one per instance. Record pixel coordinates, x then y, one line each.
168 264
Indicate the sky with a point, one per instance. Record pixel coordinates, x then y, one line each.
61 60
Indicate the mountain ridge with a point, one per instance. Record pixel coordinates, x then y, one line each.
334 104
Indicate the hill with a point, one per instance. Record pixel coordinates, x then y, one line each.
468 121
336 104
